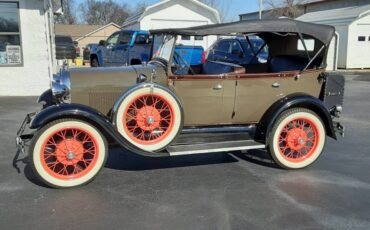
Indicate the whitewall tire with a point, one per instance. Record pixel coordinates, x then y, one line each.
68 153
297 138
149 117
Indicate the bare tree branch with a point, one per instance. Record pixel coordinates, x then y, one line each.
223 7
69 15
287 8
103 12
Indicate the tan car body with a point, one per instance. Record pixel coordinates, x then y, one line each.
231 98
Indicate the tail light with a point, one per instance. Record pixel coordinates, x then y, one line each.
204 56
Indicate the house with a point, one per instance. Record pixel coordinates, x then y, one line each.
176 14
27 58
353 26
87 34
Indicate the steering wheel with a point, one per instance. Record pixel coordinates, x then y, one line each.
161 61
178 58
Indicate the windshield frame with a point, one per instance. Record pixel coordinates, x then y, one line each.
171 45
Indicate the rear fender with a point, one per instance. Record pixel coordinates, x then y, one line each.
293 101
85 113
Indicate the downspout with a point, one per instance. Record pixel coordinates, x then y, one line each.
49 28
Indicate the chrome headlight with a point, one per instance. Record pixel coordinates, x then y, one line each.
61 86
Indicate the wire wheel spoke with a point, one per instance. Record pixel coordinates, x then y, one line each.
69 153
148 118
298 139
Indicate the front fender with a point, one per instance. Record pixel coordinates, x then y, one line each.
77 111
294 101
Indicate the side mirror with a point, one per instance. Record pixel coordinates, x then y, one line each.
101 43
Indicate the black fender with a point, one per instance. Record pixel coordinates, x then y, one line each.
294 101
87 114
47 98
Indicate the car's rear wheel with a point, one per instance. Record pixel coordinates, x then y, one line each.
68 153
297 138
149 117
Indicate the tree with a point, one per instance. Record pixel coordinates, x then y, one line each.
95 12
139 7
286 8
222 6
68 16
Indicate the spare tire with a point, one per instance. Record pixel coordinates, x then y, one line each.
149 116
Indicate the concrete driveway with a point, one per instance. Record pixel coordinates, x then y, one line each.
215 191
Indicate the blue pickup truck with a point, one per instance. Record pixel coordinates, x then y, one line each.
129 47
125 47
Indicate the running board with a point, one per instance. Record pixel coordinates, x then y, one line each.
188 144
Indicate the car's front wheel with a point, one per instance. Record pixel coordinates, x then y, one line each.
297 138
68 153
149 117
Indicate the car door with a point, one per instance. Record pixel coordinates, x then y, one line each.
120 52
107 49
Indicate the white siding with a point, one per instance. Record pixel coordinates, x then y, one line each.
179 14
135 26
342 30
359 51
332 57
34 76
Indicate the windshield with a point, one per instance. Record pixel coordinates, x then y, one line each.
162 46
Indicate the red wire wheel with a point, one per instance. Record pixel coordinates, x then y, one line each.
298 140
69 153
148 119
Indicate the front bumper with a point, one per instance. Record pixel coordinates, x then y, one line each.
22 138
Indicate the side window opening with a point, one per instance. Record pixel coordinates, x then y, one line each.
310 45
112 40
142 39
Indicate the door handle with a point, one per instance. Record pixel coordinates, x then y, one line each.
218 87
276 85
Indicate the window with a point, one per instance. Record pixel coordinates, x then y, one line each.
185 37
142 39
198 38
310 45
10 37
113 39
124 39
236 49
361 38
223 46
369 38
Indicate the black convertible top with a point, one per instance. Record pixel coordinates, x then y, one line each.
323 33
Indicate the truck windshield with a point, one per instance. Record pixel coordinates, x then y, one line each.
163 45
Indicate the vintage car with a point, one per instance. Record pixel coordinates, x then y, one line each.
286 105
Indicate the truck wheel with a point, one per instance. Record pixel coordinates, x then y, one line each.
67 153
94 62
149 117
297 138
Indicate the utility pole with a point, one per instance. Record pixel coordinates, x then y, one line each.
261 4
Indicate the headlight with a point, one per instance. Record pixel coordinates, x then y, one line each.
61 85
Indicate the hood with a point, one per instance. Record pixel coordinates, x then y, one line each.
100 88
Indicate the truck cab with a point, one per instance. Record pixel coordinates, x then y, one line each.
125 47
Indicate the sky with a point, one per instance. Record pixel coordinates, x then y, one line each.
235 8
